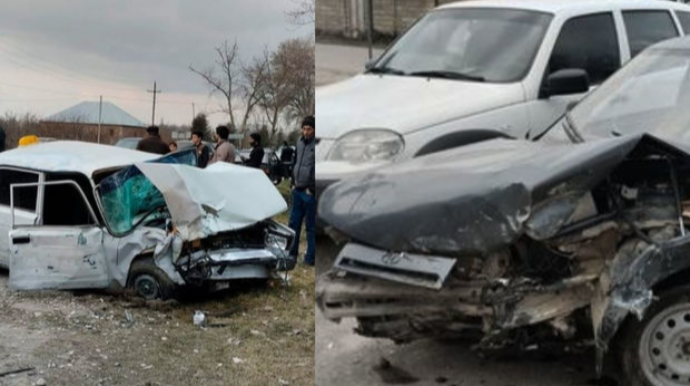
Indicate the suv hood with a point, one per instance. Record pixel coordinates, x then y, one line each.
477 198
405 103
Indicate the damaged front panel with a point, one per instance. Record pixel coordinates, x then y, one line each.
561 240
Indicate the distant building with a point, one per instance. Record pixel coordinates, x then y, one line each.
347 18
80 123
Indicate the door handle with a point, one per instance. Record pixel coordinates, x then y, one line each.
21 240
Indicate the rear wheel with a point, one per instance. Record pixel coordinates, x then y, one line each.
656 350
149 281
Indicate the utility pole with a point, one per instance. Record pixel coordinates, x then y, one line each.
153 114
370 27
100 109
193 111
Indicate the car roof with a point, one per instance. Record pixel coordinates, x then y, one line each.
552 6
72 156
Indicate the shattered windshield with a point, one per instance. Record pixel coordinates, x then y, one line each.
128 198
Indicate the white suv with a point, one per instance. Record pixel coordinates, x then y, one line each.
475 70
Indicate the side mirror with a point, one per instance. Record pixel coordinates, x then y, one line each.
564 82
370 64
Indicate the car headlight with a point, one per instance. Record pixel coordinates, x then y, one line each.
277 241
366 146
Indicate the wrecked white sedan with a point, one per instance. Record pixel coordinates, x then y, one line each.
76 215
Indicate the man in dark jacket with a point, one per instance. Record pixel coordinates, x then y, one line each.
203 154
303 201
153 143
256 157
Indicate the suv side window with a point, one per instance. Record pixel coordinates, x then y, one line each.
645 28
684 19
574 48
24 198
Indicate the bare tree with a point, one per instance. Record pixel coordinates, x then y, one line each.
296 57
304 12
236 82
287 90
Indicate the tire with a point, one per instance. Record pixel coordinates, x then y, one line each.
149 281
656 350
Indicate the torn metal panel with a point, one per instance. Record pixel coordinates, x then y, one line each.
419 270
222 197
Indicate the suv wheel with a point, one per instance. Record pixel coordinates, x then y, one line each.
656 350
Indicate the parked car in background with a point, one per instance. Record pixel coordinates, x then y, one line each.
474 70
79 215
128 143
271 164
579 237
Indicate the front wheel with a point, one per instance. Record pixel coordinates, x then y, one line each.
656 350
149 281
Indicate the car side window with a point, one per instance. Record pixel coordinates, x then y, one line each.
64 205
684 19
645 28
24 198
575 49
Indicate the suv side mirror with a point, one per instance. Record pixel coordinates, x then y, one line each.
370 64
564 82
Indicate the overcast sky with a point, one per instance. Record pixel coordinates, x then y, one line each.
55 54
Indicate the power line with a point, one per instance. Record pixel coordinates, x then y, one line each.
43 63
90 95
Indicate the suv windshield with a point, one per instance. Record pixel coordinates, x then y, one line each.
128 198
651 94
481 44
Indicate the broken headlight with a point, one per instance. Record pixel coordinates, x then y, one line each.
277 240
367 146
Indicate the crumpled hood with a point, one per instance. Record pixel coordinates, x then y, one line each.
220 198
472 199
405 104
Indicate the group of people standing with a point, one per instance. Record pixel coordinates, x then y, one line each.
303 209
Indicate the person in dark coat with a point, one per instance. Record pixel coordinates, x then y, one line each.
287 159
3 137
304 184
153 143
256 157
203 154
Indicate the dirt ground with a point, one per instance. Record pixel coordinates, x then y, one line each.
258 335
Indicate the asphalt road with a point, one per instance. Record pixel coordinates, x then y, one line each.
335 63
345 359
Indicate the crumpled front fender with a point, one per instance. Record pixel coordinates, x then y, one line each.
628 286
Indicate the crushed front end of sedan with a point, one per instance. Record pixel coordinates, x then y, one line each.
92 216
519 241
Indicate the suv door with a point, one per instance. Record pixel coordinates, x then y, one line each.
58 256
26 206
587 42
646 27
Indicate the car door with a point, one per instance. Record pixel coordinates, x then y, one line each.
588 42
26 206
65 253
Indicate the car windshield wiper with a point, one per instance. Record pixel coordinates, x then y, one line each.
385 70
447 75
571 129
